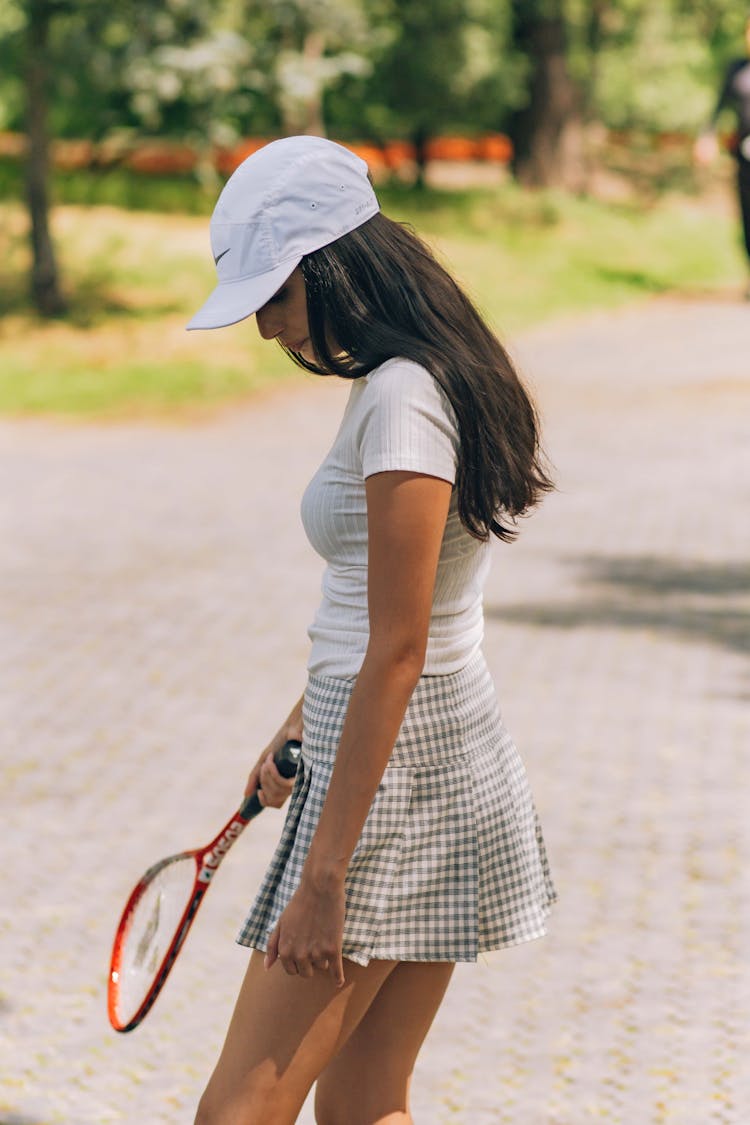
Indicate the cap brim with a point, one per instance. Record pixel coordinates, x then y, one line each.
233 301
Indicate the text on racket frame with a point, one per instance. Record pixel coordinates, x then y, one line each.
213 858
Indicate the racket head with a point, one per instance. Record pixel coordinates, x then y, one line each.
152 928
161 909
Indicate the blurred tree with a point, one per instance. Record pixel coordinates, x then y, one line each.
546 130
437 66
648 64
182 68
93 70
306 47
651 64
176 68
415 76
45 284
209 73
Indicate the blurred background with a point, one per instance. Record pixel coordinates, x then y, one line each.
544 146
155 584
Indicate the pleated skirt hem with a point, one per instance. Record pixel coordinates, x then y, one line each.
451 861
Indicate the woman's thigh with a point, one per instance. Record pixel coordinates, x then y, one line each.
368 1079
282 1034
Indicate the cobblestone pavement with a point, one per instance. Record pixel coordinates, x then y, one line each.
156 590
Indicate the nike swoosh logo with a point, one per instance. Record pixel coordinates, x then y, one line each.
217 260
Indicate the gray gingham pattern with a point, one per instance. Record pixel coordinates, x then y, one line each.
450 862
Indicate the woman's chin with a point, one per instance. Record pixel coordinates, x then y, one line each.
304 349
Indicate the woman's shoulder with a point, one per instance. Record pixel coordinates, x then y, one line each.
399 371
405 421
404 380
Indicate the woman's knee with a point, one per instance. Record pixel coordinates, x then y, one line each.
206 1111
258 1103
213 1110
209 1112
362 1117
365 1103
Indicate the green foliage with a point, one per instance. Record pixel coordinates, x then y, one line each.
306 47
12 24
652 78
172 67
360 68
437 66
117 187
126 387
653 64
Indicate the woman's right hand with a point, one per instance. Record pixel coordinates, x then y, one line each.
273 788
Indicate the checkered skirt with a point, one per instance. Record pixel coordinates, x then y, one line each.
451 861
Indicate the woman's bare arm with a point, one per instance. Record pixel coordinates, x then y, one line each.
407 513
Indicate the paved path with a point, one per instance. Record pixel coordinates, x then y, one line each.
156 589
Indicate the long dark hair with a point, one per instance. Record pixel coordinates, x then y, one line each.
378 293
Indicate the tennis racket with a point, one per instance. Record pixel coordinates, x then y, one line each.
161 909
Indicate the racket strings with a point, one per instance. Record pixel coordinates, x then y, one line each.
147 949
149 929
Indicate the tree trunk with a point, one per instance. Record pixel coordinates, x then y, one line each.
45 286
312 52
594 42
419 138
547 132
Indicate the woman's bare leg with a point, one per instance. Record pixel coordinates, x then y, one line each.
283 1033
367 1083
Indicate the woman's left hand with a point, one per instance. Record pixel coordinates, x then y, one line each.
308 935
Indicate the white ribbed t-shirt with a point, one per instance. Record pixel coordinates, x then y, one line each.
397 417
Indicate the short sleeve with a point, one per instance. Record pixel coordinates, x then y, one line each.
407 423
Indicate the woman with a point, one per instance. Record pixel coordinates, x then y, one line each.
734 93
411 840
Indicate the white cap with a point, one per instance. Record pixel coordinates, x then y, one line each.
289 198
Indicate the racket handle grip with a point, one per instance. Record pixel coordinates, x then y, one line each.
286 760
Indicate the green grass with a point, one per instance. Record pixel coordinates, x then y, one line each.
134 277
116 187
527 257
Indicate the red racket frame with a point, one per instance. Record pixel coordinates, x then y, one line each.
207 861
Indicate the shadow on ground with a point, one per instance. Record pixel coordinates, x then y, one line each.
15 1120
689 600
